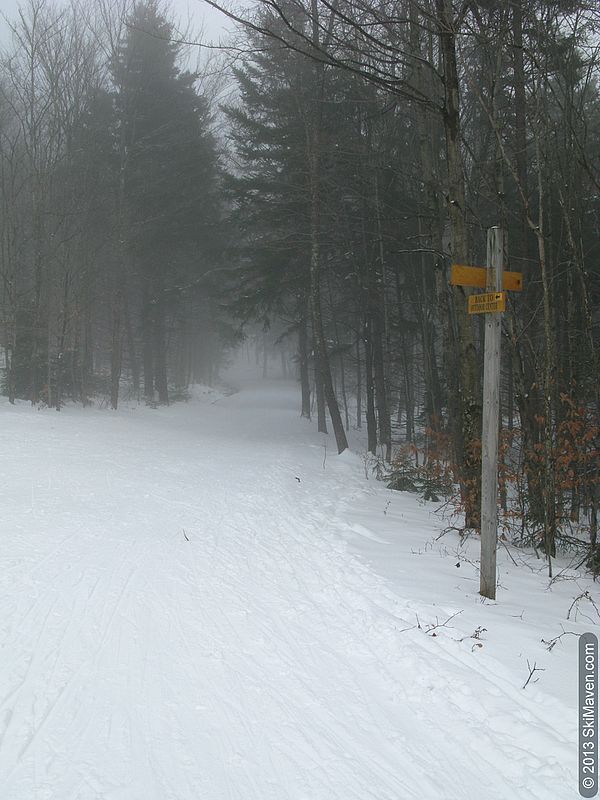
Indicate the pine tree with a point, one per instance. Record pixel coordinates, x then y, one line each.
168 208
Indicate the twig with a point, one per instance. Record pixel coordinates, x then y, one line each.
551 642
584 595
532 671
432 628
508 551
475 635
411 628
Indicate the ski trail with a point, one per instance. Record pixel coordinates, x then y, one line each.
254 658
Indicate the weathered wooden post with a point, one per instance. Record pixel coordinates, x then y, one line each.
491 411
497 282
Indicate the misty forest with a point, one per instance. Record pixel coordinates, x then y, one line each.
293 201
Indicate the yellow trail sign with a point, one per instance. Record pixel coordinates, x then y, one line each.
487 303
463 275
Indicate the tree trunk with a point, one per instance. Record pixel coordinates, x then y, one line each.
148 333
133 359
383 413
116 351
87 356
381 342
321 418
369 391
160 350
467 434
358 385
303 359
314 164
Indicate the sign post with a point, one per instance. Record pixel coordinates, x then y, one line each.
496 282
491 411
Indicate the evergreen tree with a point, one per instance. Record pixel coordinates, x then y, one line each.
168 177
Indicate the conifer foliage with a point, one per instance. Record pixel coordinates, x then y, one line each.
115 208
402 132
371 146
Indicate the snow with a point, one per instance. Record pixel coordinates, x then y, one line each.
204 602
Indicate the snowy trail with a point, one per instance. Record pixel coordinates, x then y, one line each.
181 619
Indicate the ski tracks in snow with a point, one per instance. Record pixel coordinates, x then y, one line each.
249 658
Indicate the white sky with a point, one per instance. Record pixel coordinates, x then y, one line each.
202 16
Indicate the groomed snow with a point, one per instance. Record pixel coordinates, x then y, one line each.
205 603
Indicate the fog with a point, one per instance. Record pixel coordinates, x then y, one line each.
201 17
261 439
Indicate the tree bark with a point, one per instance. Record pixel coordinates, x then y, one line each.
116 352
315 254
148 331
467 434
303 359
369 391
160 350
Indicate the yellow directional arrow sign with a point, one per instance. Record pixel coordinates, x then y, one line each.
463 275
487 303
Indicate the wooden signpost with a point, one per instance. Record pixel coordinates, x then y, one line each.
492 304
477 278
491 412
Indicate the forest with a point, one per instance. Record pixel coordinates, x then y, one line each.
315 178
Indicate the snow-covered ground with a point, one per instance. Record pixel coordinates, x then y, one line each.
205 603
